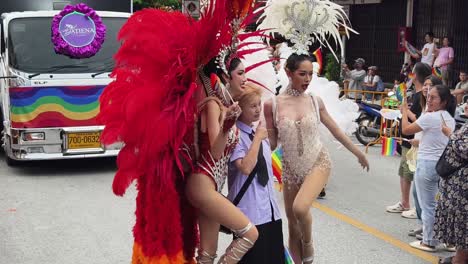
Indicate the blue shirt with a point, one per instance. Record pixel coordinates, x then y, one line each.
258 200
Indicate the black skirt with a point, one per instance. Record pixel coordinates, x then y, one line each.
269 247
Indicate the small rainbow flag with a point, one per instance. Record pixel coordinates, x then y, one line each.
276 158
389 146
287 256
437 72
318 56
401 91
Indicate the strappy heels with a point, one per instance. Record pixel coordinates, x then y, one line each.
307 247
205 257
238 247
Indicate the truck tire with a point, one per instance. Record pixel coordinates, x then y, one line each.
11 162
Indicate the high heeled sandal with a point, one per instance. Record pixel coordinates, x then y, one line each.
205 257
305 246
238 247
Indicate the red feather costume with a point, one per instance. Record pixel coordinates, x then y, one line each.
151 108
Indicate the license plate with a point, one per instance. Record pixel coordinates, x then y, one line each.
84 140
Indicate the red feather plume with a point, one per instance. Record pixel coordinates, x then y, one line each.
151 108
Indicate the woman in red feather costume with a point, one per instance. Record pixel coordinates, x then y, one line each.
217 138
152 108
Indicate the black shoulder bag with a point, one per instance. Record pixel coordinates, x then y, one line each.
443 167
239 196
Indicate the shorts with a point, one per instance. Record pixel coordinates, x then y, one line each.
404 170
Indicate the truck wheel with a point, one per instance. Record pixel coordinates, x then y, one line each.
11 162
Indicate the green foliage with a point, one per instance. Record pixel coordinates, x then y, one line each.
165 4
332 68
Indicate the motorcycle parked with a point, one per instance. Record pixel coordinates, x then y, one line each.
368 123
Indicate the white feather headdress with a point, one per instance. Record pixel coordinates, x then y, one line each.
304 22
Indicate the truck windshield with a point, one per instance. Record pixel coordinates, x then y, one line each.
30 48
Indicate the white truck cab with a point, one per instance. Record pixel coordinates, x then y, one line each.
49 102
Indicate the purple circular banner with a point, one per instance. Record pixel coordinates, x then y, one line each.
77 29
78 32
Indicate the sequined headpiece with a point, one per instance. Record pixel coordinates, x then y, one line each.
228 53
243 14
304 22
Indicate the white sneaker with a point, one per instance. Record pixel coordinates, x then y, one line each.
416 231
410 214
419 245
396 208
446 247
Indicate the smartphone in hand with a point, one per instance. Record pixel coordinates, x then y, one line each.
443 120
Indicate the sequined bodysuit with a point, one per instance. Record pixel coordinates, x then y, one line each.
216 169
300 141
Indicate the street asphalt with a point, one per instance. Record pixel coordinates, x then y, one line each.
65 212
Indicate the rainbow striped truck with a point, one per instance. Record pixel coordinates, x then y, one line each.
49 102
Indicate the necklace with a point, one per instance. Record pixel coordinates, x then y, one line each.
293 92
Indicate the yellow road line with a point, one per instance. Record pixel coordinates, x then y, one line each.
379 234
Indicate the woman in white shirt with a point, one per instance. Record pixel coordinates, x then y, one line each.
440 108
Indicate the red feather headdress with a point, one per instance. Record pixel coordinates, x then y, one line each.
243 13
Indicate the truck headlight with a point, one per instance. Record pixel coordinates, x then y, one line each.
32 136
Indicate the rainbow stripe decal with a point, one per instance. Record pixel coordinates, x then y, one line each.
64 106
287 257
389 146
276 158
436 71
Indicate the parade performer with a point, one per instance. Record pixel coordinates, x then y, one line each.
161 75
343 111
217 138
293 119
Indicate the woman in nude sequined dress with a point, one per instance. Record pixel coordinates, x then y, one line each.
293 122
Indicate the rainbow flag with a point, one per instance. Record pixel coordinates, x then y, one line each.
276 158
287 256
389 146
401 92
436 71
318 56
215 82
54 106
